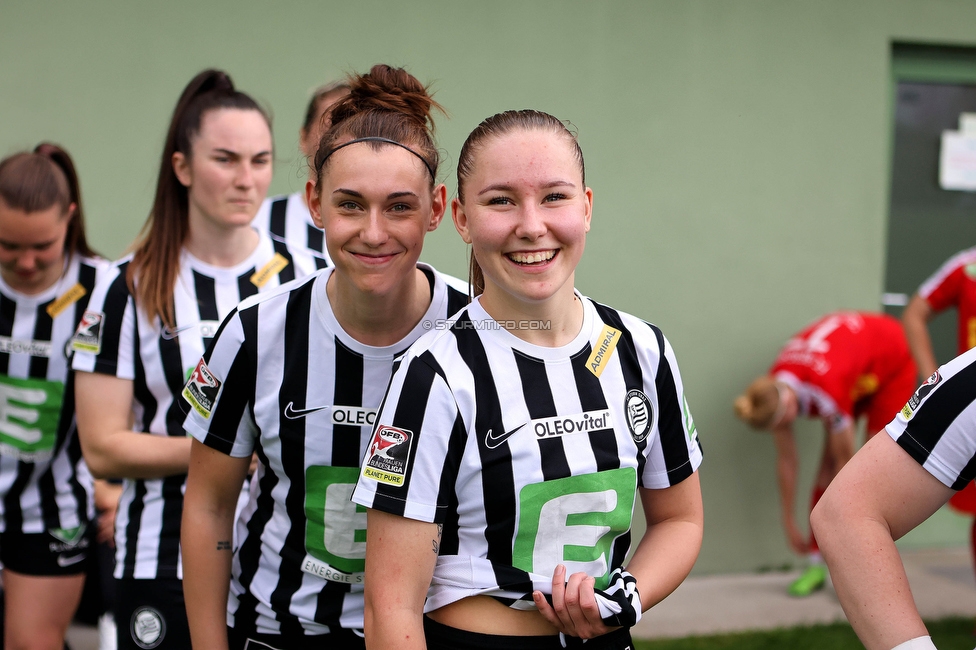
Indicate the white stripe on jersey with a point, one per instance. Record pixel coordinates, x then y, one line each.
315 391
44 483
158 360
514 428
293 225
938 424
961 258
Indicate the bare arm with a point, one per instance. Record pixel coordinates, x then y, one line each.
915 319
106 504
212 488
787 467
878 497
103 404
400 557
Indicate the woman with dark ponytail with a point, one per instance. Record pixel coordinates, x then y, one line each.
47 274
148 324
299 374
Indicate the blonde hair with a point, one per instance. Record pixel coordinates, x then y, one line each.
760 405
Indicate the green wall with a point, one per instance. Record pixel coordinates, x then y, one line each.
738 154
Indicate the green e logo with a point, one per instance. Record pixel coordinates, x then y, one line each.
335 528
30 410
574 521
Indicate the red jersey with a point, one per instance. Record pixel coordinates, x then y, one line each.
840 362
954 285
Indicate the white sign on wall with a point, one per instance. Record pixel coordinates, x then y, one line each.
957 157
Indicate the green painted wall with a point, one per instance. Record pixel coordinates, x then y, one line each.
737 150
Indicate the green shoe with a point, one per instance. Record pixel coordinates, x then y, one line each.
810 581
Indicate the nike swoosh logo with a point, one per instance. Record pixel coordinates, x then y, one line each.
68 561
170 334
293 413
494 441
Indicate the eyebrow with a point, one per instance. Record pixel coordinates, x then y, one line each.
235 154
394 195
503 187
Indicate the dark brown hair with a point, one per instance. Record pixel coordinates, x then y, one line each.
35 181
383 103
493 127
156 261
320 94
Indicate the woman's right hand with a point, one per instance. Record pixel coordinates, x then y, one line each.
796 539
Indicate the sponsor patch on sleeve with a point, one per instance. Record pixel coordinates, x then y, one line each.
909 409
88 336
201 390
389 450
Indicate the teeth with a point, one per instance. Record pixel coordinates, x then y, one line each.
531 258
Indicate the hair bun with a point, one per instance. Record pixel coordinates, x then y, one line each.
385 88
743 407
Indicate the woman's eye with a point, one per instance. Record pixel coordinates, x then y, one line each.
555 196
499 200
348 205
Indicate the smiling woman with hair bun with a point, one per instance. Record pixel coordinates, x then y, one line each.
299 373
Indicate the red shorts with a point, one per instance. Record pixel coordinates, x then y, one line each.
882 407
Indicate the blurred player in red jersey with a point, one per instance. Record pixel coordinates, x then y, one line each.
843 366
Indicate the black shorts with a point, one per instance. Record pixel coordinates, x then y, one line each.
57 552
340 639
151 614
443 637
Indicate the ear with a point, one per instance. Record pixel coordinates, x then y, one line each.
588 194
70 212
438 207
181 167
314 203
460 220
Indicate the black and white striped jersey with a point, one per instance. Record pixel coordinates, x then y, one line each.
286 218
529 456
937 426
44 483
116 337
282 378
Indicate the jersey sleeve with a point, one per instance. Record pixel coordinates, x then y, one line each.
942 290
104 341
412 460
674 452
937 427
219 391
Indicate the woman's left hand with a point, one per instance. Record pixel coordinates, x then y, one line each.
574 610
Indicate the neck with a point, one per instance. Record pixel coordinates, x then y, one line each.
559 317
379 319
220 246
47 279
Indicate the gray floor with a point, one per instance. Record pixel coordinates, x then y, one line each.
941 579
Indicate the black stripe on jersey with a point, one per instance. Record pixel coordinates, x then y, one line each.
8 312
348 392
937 414
43 327
246 288
227 418
245 618
116 300
249 555
603 442
316 238
538 399
498 478
132 529
456 300
206 293
669 424
286 274
320 262
294 386
276 224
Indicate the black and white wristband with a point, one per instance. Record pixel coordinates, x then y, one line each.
619 603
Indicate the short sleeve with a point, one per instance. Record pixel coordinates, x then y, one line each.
104 341
675 452
942 290
412 460
219 390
